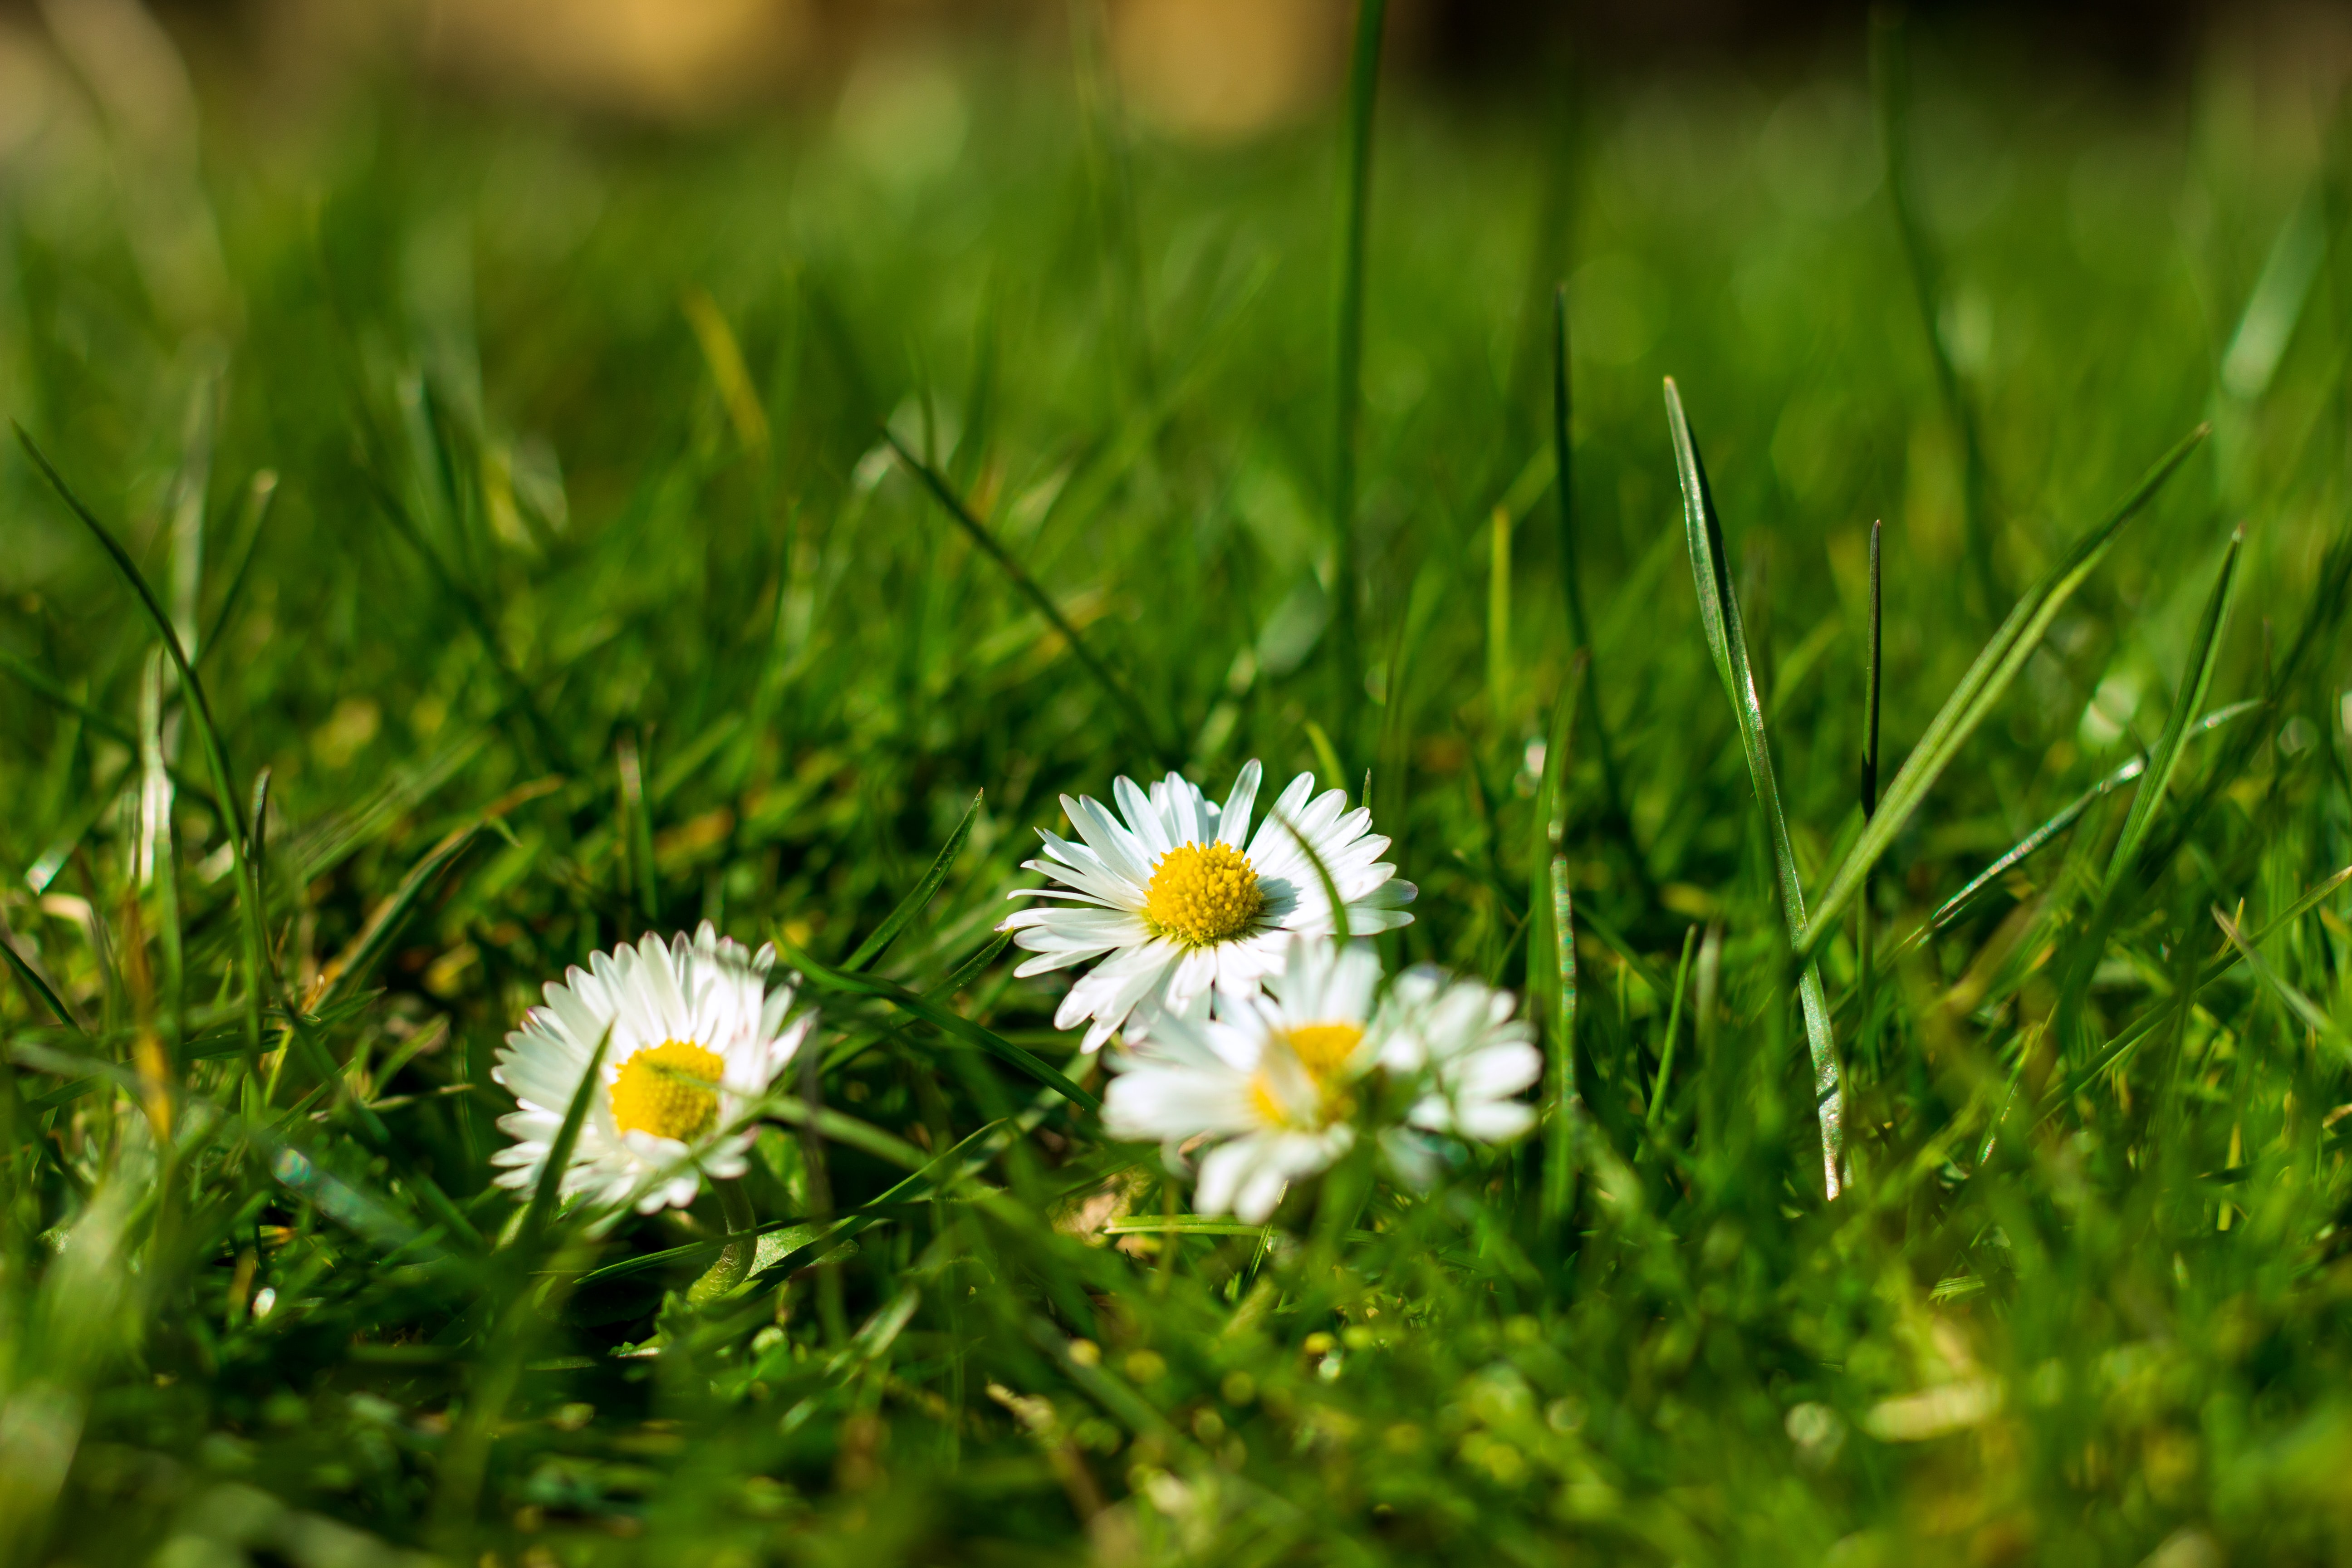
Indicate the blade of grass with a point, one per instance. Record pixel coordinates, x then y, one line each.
938 1017
1674 1028
1972 701
374 939
261 978
1551 952
2139 1028
1727 640
1952 908
1862 927
2307 1012
1890 80
1571 579
2196 679
873 946
1355 204
546 1192
1141 729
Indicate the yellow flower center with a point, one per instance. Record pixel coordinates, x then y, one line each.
1323 1050
1202 893
670 1090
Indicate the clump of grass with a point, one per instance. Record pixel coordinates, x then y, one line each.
582 536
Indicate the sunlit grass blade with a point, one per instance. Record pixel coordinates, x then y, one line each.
1890 80
2307 1012
829 979
917 897
31 982
1727 640
1348 380
1551 952
549 1189
2139 1028
262 978
2196 679
375 937
1981 689
1140 728
1951 909
1570 573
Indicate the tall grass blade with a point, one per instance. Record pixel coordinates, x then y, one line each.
2307 1012
261 978
1348 393
1140 728
1551 953
1890 79
1727 640
918 896
1973 700
829 979
1570 573
549 1189
2196 679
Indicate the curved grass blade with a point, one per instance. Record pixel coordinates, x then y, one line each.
550 1186
1987 681
912 904
938 1017
1890 80
261 977
2142 1026
2164 757
1727 639
1355 206
2307 1012
1952 908
376 936
33 983
1145 732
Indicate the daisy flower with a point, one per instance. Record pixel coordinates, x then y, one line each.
1476 1056
1268 1081
696 1036
1166 895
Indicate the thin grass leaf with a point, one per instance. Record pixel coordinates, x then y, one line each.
1727 640
2139 1028
2307 1012
261 977
375 937
549 1189
1348 381
918 896
1981 689
1141 729
257 497
1551 952
1890 80
2164 757
39 987
1951 909
1572 580
938 1017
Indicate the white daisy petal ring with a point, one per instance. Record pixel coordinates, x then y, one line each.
1268 1083
1477 1057
695 1037
1175 897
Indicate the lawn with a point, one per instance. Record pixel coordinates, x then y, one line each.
448 541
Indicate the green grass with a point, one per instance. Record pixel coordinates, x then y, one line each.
521 497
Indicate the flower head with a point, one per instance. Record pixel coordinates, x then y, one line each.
1474 1055
1175 896
694 1035
1270 1081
